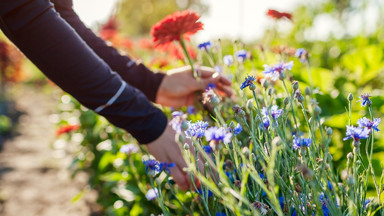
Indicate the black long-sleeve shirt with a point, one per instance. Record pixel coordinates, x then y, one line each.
80 63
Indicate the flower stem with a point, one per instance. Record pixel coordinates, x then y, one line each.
182 43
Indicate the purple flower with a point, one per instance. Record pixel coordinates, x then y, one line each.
177 121
218 134
357 133
210 86
205 46
237 129
218 69
129 149
164 166
301 142
152 167
248 81
273 72
151 194
208 149
228 60
208 192
275 111
365 99
302 54
191 110
241 55
365 122
266 122
196 129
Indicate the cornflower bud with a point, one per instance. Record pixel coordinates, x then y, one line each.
350 181
369 103
250 104
329 131
300 99
297 188
350 97
181 138
206 165
232 125
270 91
265 84
184 125
286 101
238 110
295 85
252 87
350 156
282 75
237 183
186 146
308 91
317 110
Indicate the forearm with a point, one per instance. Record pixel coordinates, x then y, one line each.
136 75
61 54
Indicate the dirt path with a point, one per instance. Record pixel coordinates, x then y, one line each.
33 177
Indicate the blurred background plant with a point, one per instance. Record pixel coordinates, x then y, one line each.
344 59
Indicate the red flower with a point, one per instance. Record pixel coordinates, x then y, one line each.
109 29
172 27
278 15
66 129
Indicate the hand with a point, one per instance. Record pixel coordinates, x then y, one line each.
165 149
178 87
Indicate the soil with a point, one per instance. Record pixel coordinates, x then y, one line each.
34 177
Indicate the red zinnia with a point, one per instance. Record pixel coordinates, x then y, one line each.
174 26
66 129
278 15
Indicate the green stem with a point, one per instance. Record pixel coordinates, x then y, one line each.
182 43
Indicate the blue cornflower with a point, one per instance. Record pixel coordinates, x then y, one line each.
152 167
329 185
301 142
228 60
165 166
357 133
177 120
275 112
220 214
205 46
129 149
151 194
208 149
237 129
196 129
266 122
218 69
241 55
324 206
367 201
210 86
248 81
365 99
218 134
365 122
200 191
191 110
302 54
273 72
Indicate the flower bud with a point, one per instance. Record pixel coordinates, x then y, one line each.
252 87
186 146
270 91
232 125
300 99
206 165
329 131
181 138
369 103
184 125
317 110
238 110
282 75
220 185
350 156
286 101
250 104
295 85
350 181
308 91
350 97
265 84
